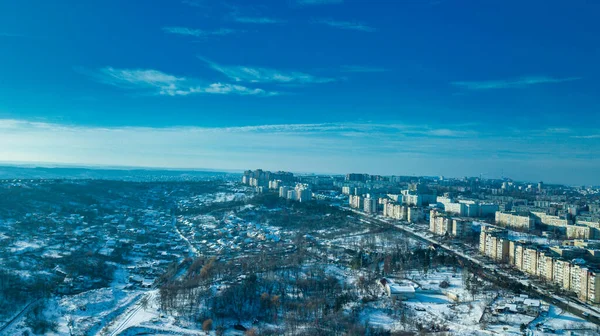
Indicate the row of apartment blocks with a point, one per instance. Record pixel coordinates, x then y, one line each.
401 212
406 197
351 190
466 208
581 229
554 264
261 178
300 193
366 203
370 204
515 220
443 224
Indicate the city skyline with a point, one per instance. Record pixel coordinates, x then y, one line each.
404 88
46 167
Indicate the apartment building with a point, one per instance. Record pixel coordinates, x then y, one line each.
395 211
303 192
593 288
398 198
568 252
502 245
468 208
494 244
275 184
459 209
515 254
441 224
460 227
550 220
283 191
416 198
482 240
530 260
580 232
545 265
541 204
490 247
562 273
370 205
590 223
471 208
586 283
291 194
414 214
388 209
444 199
575 286
487 209
559 264
515 220
356 202
413 200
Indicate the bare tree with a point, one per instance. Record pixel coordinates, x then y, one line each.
207 325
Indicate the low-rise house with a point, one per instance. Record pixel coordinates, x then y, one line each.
531 306
396 291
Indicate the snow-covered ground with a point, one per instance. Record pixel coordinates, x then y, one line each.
26 246
560 322
468 314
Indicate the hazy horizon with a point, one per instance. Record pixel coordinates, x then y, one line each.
49 165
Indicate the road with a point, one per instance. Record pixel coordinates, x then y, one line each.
124 321
18 316
187 241
494 273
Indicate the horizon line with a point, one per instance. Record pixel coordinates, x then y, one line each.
100 167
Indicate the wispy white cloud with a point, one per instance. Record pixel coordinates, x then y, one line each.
257 19
160 83
521 82
558 130
319 2
360 68
365 129
445 132
199 32
265 75
139 78
220 88
588 136
350 25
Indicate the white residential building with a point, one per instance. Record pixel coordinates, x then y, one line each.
370 205
283 191
303 193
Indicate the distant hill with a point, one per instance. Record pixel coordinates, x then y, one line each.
133 174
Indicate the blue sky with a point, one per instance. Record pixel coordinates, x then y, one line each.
391 87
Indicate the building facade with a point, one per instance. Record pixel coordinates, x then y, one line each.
370 205
494 243
514 220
